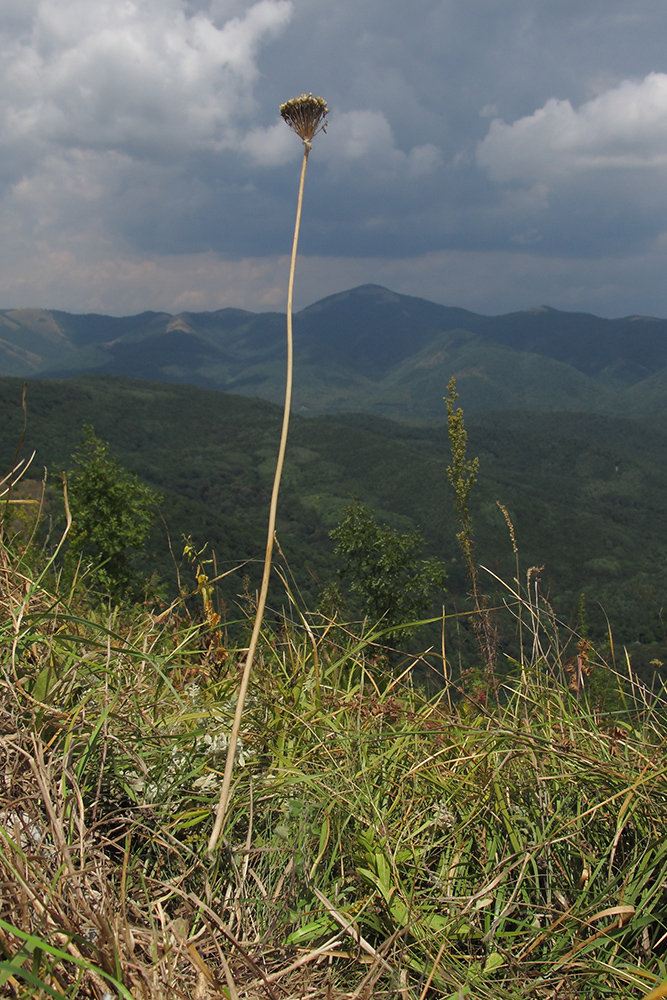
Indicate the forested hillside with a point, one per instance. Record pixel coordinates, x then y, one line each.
585 492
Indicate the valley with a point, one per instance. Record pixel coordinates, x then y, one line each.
585 491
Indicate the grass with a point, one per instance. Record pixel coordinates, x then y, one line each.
379 841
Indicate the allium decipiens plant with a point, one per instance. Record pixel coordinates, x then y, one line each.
305 115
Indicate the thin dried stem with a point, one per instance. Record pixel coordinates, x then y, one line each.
305 115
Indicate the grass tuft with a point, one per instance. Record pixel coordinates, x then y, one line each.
380 841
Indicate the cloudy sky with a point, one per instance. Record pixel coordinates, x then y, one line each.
491 154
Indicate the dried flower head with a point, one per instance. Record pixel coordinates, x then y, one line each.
306 115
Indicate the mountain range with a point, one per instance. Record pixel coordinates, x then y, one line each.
364 350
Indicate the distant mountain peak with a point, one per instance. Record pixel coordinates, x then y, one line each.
378 292
385 294
364 349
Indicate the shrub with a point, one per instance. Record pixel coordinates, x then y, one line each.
384 570
112 512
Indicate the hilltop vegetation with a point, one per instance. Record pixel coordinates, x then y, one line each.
379 842
585 492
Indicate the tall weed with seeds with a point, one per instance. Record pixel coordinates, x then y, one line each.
306 116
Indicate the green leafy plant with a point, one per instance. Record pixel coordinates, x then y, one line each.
111 514
383 569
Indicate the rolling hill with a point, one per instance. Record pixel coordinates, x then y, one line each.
364 350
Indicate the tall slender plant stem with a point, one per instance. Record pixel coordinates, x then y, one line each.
221 811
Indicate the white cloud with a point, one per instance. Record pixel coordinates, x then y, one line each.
624 127
423 160
89 273
271 146
366 138
136 76
356 135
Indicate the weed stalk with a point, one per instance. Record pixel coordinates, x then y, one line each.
305 115
462 474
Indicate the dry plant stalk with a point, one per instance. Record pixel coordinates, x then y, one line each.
305 115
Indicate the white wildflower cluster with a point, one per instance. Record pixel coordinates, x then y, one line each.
223 711
444 817
156 791
216 746
152 790
207 782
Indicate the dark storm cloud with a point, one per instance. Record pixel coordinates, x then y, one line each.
141 140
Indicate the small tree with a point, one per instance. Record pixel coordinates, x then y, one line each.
111 514
384 569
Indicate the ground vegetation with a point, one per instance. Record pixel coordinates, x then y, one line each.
380 841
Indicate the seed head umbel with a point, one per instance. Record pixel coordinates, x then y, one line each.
306 115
